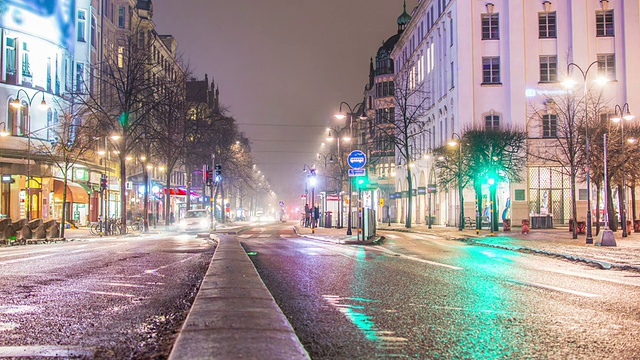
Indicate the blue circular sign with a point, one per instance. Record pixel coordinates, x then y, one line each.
357 159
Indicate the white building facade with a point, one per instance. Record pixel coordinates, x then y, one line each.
487 64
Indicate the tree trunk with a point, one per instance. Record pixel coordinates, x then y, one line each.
409 197
63 218
123 192
611 212
145 207
167 199
188 180
574 206
633 203
478 191
597 207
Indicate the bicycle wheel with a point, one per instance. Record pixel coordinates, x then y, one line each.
94 229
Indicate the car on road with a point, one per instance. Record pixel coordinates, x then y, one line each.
197 220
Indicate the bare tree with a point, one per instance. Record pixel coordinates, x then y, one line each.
125 96
404 126
555 137
67 145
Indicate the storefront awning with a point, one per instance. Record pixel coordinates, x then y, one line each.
75 193
178 191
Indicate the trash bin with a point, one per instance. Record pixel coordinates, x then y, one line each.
506 225
327 219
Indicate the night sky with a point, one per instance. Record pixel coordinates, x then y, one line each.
283 67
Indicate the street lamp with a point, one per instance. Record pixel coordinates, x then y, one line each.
622 112
17 104
312 181
570 83
458 143
341 116
330 158
348 139
4 131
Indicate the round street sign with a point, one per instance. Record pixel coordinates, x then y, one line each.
356 159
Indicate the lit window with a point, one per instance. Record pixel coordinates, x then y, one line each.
120 56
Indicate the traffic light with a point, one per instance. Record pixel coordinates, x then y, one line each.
218 172
207 174
103 182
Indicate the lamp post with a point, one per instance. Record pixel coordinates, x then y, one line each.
312 181
341 163
622 112
330 158
16 103
341 116
458 143
570 83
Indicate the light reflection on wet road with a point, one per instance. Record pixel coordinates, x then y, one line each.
430 298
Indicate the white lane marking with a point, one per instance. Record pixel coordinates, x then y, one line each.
106 293
45 351
264 235
283 236
554 288
244 236
155 271
126 285
26 259
16 309
8 326
378 248
393 236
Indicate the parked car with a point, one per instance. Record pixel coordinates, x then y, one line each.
195 220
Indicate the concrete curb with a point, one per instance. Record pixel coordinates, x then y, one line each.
234 315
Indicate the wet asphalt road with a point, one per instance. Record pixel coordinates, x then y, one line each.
113 299
423 297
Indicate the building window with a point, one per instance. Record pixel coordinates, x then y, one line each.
490 27
121 17
452 76
604 23
82 24
26 65
549 125
492 122
10 52
607 66
548 68
547 25
120 56
94 34
491 70
80 89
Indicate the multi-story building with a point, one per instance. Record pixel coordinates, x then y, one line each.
52 54
379 107
488 64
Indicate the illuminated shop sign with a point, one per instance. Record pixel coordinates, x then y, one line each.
52 20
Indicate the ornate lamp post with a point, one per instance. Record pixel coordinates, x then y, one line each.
16 103
458 143
622 112
570 83
341 116
325 157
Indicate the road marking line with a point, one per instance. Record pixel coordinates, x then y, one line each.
264 235
45 351
244 236
554 288
416 259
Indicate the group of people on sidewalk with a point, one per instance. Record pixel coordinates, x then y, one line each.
311 216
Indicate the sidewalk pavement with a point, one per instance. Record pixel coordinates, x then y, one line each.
556 242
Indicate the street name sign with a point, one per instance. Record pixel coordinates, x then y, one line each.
357 172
